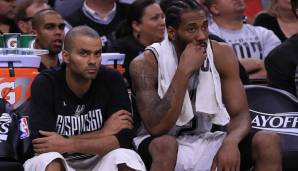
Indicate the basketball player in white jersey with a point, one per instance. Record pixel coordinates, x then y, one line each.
167 81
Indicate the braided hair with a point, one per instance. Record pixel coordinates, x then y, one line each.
177 7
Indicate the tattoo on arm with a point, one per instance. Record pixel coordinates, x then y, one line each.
144 78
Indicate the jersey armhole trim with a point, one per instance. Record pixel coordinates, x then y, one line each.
153 50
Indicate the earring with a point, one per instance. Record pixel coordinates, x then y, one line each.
173 38
138 35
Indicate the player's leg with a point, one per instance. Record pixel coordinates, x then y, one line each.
121 159
47 161
55 165
164 153
124 167
260 150
266 151
160 153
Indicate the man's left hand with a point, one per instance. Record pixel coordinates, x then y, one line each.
227 158
52 142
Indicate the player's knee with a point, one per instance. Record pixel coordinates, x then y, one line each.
55 165
165 147
124 167
264 140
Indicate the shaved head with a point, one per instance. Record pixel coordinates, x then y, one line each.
78 31
38 18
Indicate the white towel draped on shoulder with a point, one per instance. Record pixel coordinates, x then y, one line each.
208 94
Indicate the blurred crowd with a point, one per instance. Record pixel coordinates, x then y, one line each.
254 28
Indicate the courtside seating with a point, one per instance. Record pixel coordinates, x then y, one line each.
276 110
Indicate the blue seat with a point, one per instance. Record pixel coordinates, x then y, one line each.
276 110
11 166
12 149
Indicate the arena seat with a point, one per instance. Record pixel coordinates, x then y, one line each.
11 166
8 139
276 110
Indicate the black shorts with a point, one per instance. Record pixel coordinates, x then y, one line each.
245 148
143 151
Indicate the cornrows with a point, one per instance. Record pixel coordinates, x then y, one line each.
177 7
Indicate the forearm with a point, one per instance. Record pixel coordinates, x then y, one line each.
240 120
252 65
168 108
255 68
238 128
98 146
261 74
94 134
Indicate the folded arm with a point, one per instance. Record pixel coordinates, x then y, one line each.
99 142
254 67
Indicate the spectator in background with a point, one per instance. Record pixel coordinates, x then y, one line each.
67 7
104 16
279 18
48 25
164 4
7 14
25 10
250 43
282 62
266 4
145 25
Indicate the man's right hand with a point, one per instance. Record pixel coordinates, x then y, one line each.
192 57
119 120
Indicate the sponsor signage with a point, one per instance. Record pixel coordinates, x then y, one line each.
24 128
283 123
5 121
